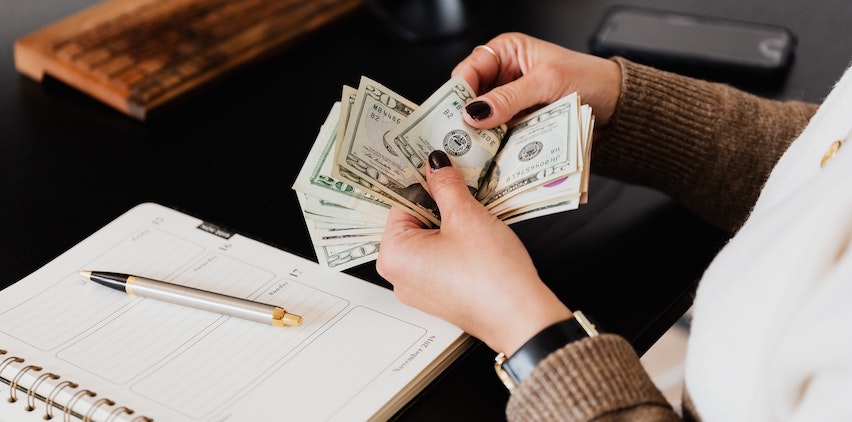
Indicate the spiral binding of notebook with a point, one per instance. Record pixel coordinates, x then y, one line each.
35 388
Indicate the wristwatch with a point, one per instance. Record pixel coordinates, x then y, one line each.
518 367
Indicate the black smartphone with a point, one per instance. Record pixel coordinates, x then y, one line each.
692 44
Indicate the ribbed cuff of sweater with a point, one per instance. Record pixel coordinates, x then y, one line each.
657 135
584 380
707 145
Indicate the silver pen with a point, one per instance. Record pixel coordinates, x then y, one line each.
194 298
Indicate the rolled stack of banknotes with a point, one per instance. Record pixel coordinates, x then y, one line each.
371 154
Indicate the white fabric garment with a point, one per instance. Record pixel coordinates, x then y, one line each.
771 338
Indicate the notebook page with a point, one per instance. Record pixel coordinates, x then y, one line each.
357 346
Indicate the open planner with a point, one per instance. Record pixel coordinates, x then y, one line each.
73 349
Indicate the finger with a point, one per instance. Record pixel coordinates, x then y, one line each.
401 220
504 102
447 186
480 68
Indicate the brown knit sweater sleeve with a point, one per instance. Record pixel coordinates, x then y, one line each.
597 378
707 145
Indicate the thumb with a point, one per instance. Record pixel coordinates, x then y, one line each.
447 187
504 102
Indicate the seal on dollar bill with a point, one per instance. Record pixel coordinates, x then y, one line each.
457 143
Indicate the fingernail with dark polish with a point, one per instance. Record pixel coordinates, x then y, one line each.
438 159
478 110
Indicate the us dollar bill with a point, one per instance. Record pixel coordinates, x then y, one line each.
320 210
438 124
335 233
316 179
371 150
366 152
540 148
539 210
337 257
554 191
347 101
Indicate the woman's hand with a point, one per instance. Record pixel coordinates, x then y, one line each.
530 73
473 271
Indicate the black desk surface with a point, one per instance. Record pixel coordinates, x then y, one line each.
631 257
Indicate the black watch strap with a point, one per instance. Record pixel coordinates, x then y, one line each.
522 363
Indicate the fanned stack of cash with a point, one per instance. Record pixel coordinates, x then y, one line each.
371 153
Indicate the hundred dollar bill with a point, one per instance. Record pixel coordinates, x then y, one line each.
438 124
540 148
316 179
365 150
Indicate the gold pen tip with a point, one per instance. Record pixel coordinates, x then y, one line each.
282 318
86 274
291 320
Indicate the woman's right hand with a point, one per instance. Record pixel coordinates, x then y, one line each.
530 73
